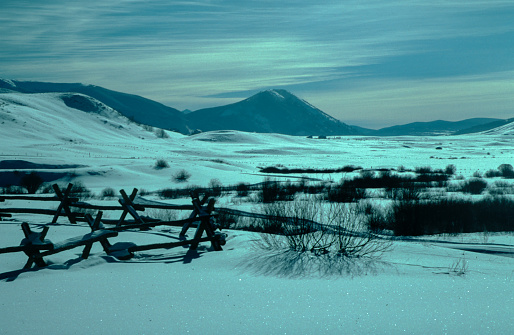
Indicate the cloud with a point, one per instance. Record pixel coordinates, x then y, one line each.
190 54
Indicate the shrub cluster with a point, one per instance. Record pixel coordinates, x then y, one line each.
412 218
504 170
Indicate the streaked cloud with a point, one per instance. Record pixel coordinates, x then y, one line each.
343 55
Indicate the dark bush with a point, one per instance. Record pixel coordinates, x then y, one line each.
492 173
31 182
181 176
170 193
285 170
506 170
423 169
242 189
108 193
161 133
161 164
412 218
473 186
272 190
450 170
345 192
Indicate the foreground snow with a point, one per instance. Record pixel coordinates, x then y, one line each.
413 288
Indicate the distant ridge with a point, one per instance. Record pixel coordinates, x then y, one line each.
270 111
135 107
433 128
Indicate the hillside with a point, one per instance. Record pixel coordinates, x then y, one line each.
432 128
135 107
271 111
505 129
489 126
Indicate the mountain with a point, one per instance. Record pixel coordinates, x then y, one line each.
432 128
271 111
135 107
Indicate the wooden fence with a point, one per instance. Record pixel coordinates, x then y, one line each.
36 246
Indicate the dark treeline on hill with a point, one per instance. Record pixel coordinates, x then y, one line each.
270 111
285 170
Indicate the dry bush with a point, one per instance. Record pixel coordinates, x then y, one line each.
309 225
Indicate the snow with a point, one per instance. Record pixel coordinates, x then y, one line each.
243 289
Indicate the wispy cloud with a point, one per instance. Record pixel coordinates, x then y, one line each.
187 53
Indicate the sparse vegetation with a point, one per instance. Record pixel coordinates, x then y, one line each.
181 176
473 186
309 225
161 164
161 133
108 192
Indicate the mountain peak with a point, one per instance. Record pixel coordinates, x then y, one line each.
269 111
275 94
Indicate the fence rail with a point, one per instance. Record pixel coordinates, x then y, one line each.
36 246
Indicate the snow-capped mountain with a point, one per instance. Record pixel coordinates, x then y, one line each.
135 107
271 111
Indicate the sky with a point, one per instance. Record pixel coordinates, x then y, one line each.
368 63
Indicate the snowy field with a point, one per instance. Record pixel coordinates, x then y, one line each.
424 286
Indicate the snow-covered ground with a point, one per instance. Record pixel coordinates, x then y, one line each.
423 286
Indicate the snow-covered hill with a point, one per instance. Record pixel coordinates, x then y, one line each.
135 107
271 111
506 129
58 117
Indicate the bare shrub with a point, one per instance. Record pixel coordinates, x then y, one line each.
147 127
458 267
163 214
161 164
181 176
12 190
310 225
215 187
375 217
161 133
107 192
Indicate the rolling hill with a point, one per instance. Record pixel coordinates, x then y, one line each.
135 107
